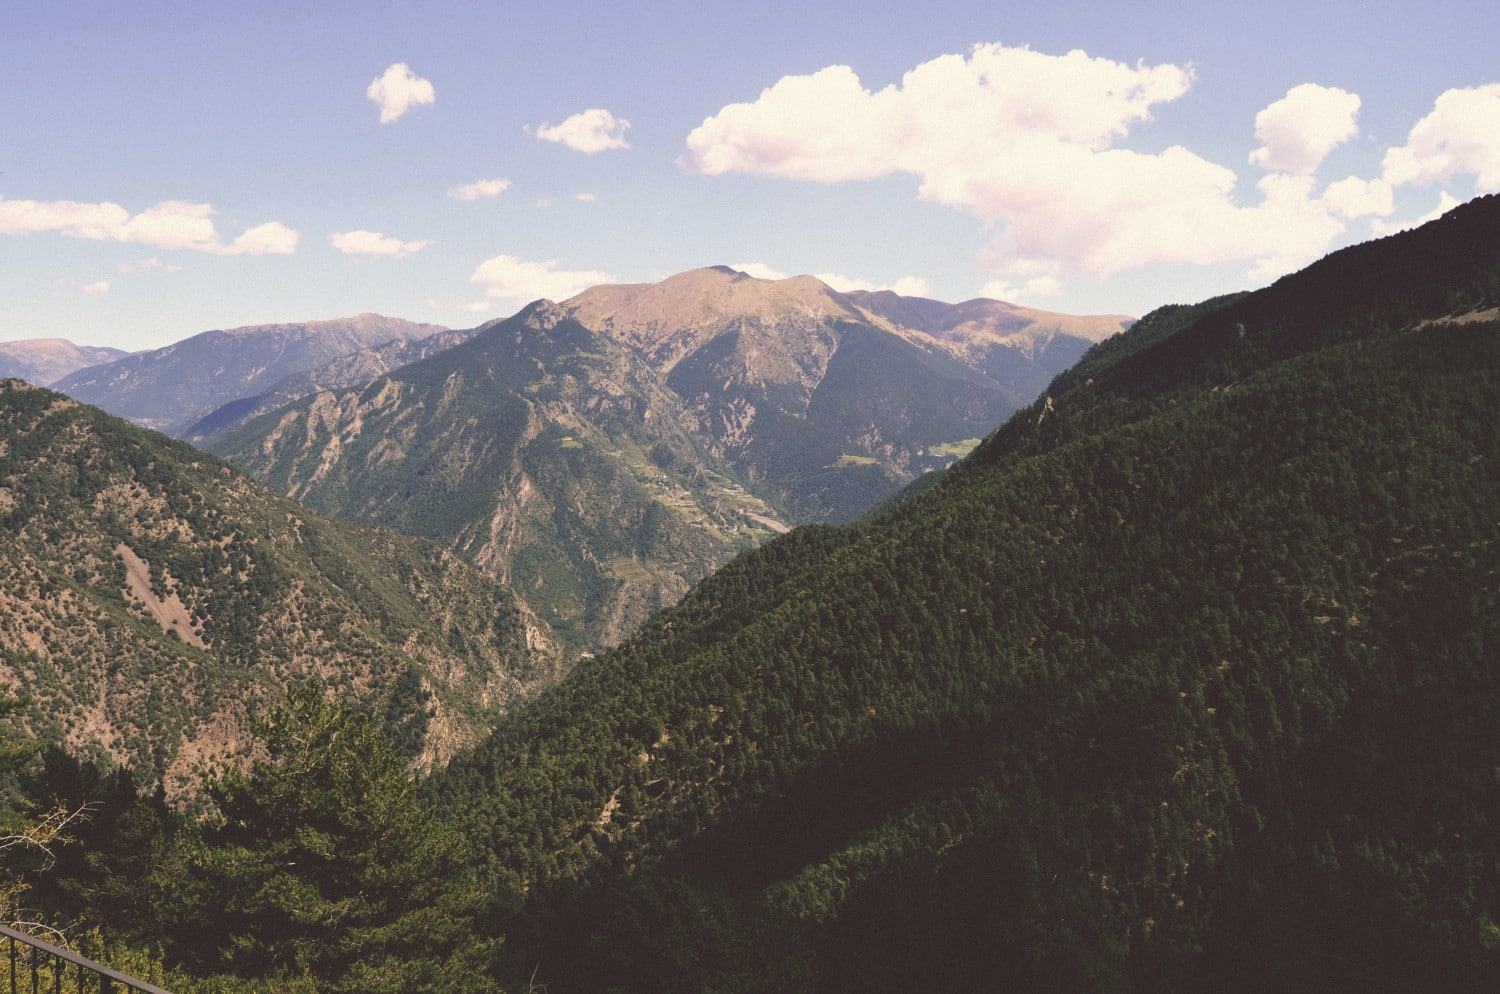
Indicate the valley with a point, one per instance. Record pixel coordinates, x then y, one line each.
648 641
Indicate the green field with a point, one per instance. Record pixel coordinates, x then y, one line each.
956 449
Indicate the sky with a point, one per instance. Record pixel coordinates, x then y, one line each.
168 168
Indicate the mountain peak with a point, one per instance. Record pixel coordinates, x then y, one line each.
672 318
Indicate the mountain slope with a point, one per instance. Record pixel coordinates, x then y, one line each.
44 361
1183 681
546 455
151 597
170 388
355 369
826 401
1020 348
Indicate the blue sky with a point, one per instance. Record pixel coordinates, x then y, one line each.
167 168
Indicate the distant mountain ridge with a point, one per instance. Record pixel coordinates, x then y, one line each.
1020 348
44 361
354 369
170 388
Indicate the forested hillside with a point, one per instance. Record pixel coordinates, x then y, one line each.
152 597
1184 681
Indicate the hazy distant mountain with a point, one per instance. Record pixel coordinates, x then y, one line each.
44 361
1018 347
171 388
351 370
151 597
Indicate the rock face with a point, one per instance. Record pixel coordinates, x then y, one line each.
552 458
151 597
44 361
828 401
170 388
355 369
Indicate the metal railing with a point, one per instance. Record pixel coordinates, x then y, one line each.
37 967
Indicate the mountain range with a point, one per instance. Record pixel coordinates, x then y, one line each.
170 388
603 453
1183 680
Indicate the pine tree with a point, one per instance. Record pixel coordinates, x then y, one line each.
323 863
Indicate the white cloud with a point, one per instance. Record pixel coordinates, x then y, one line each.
828 127
1460 137
1030 143
586 198
151 263
906 286
506 277
271 238
1298 131
759 270
397 90
1446 202
1354 198
485 189
1036 288
170 225
98 222
174 224
593 130
97 289
373 243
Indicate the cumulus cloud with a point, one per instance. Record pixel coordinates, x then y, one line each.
271 238
586 198
1355 198
398 90
1446 202
97 289
485 189
363 242
593 130
1031 144
1036 288
828 127
170 225
507 277
1460 137
1298 131
906 286
759 270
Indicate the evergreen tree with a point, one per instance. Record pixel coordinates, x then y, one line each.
323 863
